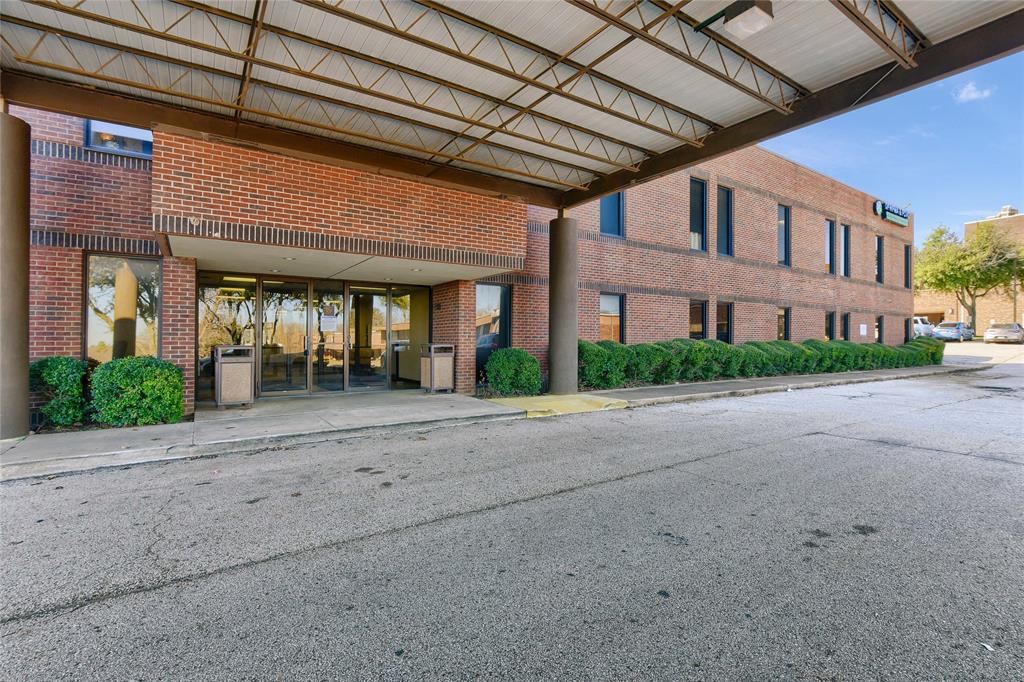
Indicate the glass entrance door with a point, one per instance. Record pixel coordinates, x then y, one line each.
328 336
367 337
284 354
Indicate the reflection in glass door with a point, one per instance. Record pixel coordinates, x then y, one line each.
410 328
328 336
283 357
368 337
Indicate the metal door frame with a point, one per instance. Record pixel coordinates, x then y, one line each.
260 393
387 286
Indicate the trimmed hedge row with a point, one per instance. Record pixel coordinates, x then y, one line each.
607 364
125 392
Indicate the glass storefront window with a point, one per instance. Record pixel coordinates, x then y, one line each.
611 317
227 316
493 313
123 308
698 319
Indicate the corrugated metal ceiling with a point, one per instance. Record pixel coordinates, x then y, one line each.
495 87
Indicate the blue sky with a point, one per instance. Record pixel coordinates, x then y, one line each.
953 150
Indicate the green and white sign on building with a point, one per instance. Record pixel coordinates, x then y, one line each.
894 214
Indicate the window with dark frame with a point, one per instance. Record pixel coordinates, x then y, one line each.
830 247
122 307
493 314
785 232
118 139
698 319
844 329
844 250
723 322
880 329
724 221
908 330
612 308
879 258
613 214
830 326
908 266
784 315
698 214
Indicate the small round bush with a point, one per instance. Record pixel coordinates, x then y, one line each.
137 391
648 363
61 380
513 371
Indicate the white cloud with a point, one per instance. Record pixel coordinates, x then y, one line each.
970 93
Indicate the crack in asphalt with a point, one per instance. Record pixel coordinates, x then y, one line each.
898 444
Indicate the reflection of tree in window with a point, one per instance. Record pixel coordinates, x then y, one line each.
124 305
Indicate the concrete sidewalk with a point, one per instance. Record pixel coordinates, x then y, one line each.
291 421
729 388
269 423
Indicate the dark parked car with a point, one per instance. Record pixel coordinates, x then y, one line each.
485 345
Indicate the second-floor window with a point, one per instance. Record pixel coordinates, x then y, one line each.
698 214
785 231
879 258
908 266
613 214
844 251
830 247
119 139
724 222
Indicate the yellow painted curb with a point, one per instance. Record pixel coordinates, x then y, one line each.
554 405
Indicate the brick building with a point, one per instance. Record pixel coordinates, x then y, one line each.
169 242
1001 307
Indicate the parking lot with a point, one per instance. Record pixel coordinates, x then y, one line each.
873 531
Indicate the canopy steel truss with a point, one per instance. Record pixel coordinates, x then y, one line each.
427 90
704 51
886 25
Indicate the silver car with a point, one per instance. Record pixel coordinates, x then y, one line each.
1004 333
953 331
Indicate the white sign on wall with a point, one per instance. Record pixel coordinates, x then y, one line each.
863 330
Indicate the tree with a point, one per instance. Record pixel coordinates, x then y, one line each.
969 269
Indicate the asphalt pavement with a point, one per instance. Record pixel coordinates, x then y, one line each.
873 531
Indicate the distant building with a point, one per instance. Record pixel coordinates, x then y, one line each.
996 307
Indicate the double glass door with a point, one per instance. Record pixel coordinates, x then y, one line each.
314 335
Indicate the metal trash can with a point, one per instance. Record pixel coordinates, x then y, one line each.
437 367
234 378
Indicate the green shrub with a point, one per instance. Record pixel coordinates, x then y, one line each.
754 361
932 348
725 357
777 360
600 368
827 355
799 359
617 363
137 391
648 364
513 371
61 380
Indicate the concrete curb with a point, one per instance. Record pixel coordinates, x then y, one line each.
839 380
105 460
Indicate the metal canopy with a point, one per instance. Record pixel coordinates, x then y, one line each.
553 101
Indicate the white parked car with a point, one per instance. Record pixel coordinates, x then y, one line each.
922 327
1004 333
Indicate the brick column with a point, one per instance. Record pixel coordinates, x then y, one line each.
454 321
178 321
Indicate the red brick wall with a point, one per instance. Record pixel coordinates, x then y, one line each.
178 321
211 180
454 320
658 273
